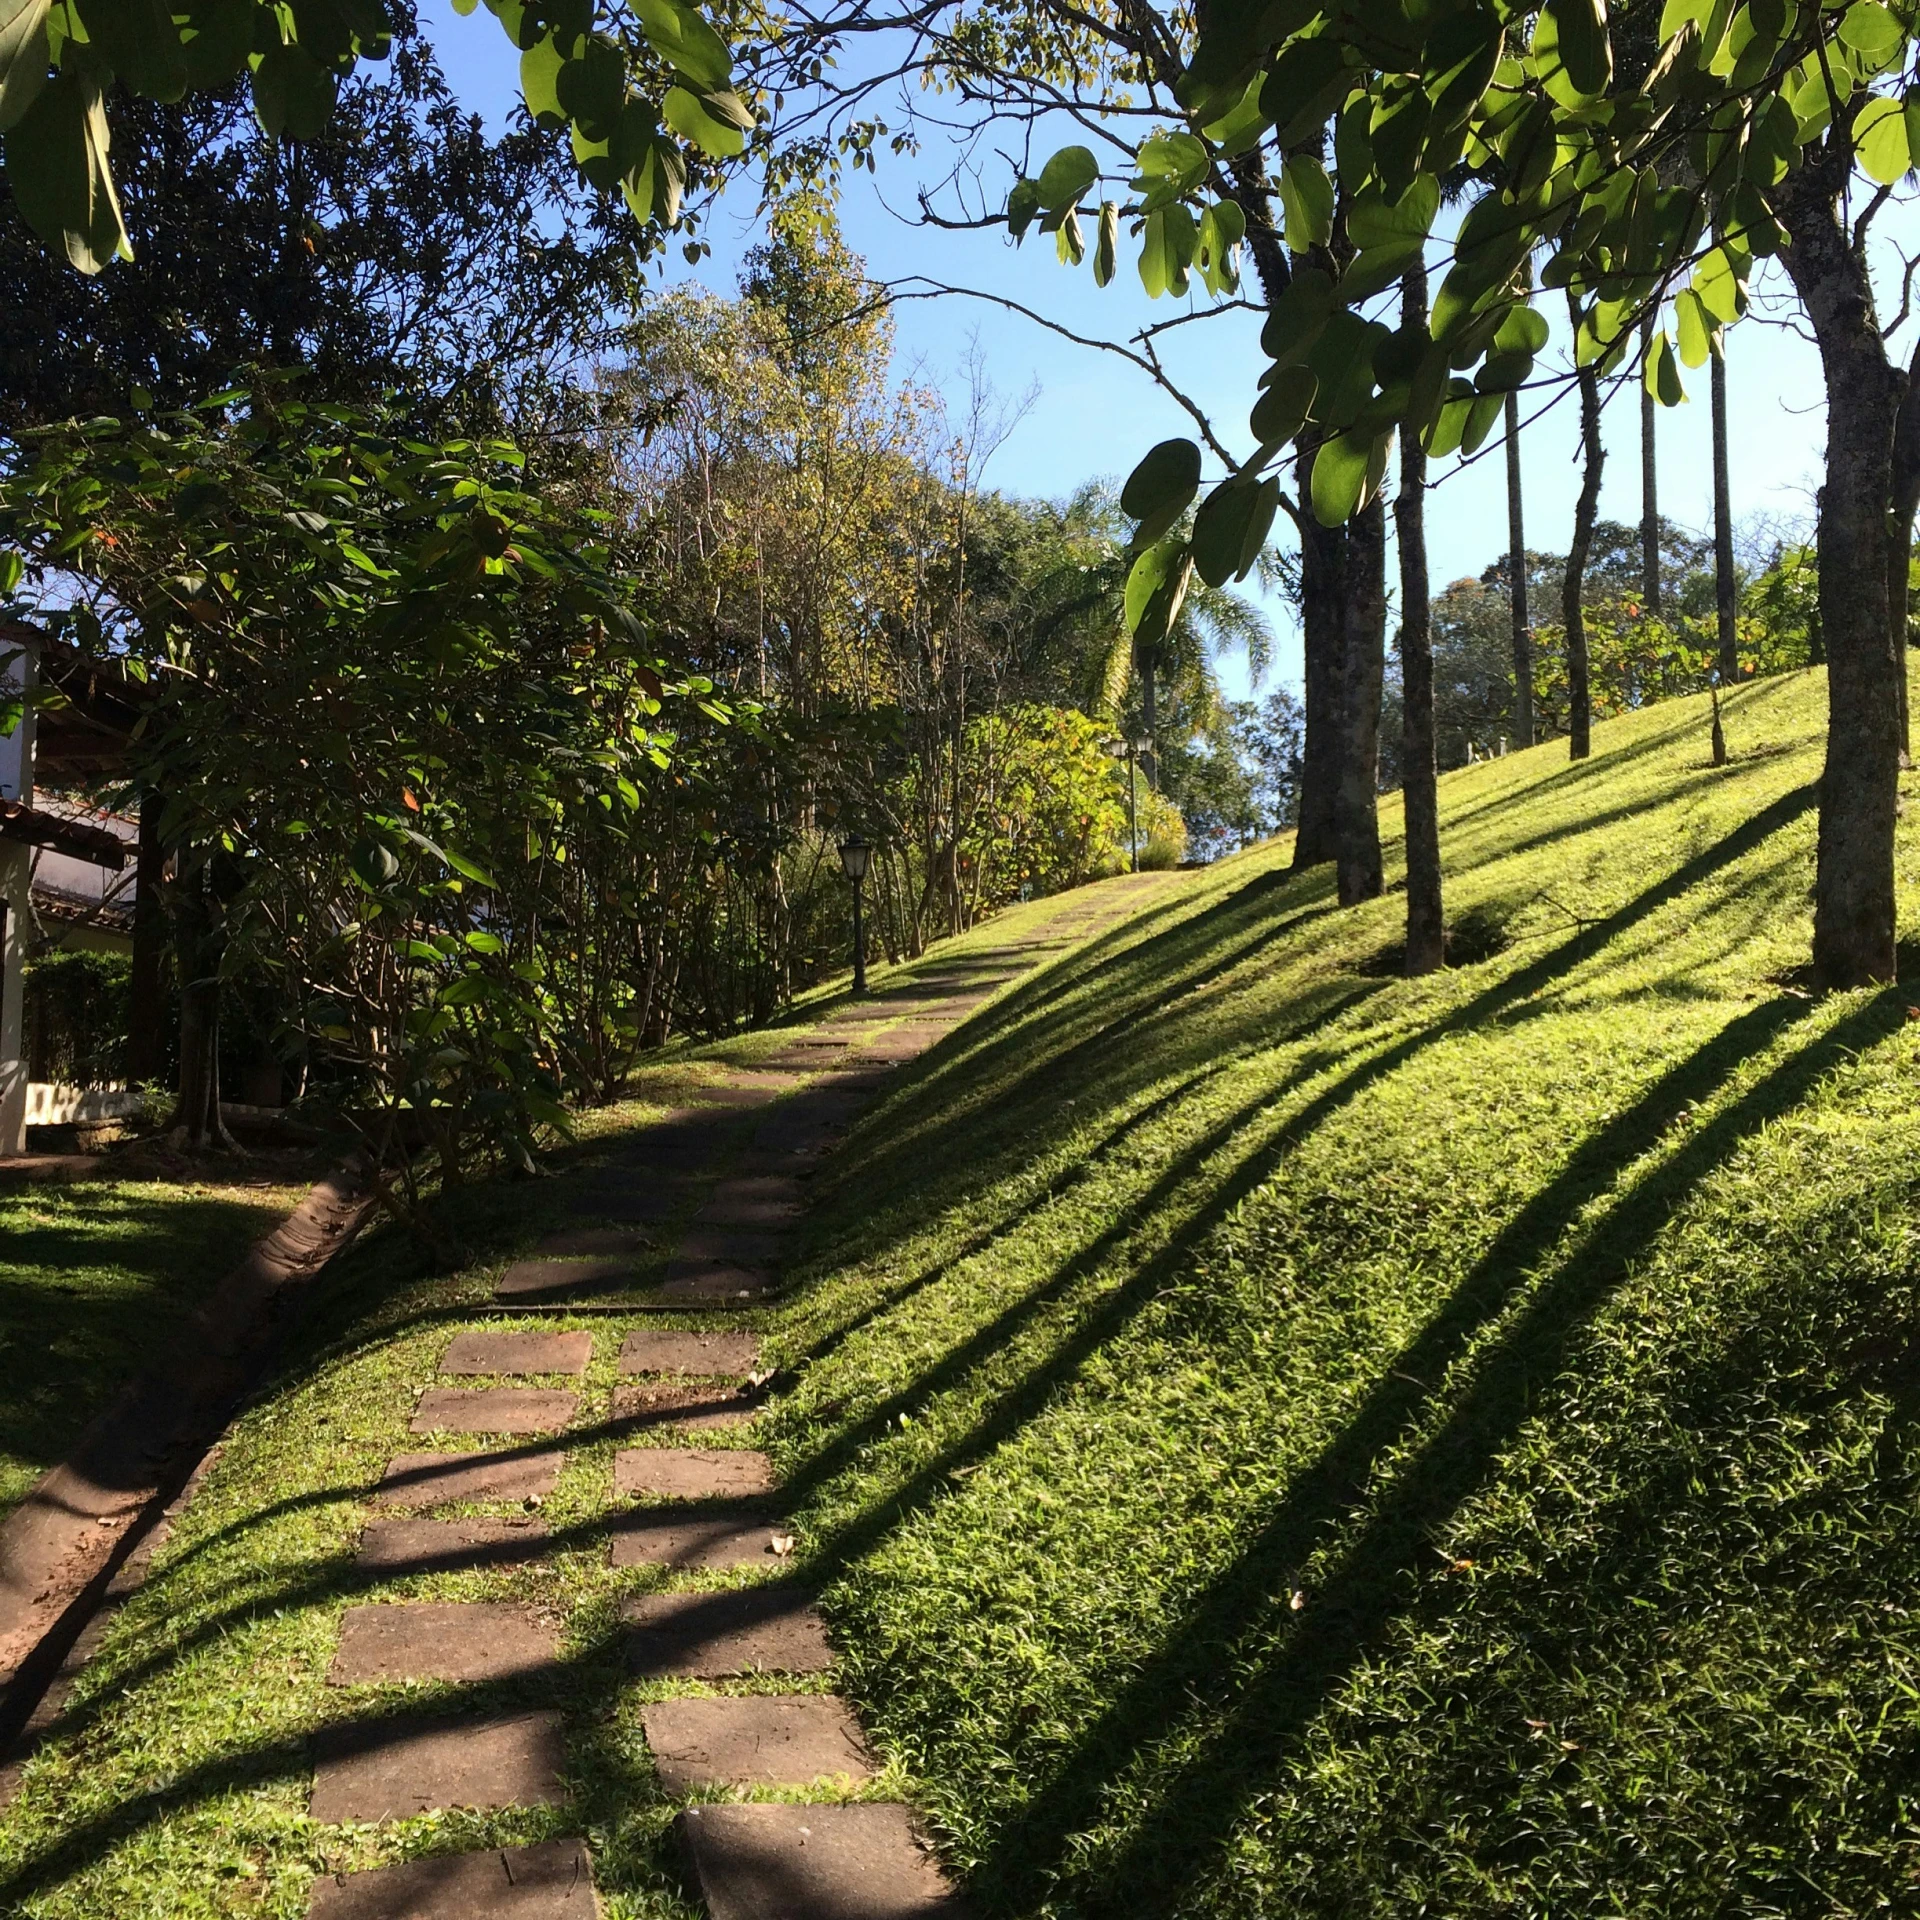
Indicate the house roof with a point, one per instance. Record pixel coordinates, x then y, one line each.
38 827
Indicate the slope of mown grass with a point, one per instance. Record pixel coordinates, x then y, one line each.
1275 1438
1300 1441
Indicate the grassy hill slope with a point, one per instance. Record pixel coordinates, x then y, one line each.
1274 1438
1295 1440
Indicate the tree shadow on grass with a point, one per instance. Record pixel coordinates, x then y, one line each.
1241 1677
84 1303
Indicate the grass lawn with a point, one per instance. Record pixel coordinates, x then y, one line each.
1276 1438
95 1276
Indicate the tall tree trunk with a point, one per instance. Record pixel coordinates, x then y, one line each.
1853 910
1323 563
147 986
197 946
1517 573
1573 586
1649 496
1426 927
1362 668
1723 588
1148 717
1906 499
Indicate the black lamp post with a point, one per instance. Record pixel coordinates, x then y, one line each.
854 854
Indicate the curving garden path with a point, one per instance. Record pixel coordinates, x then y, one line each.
690 1223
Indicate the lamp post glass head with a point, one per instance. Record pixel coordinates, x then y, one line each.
854 854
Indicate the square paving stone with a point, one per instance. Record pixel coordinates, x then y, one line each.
536 1279
713 1636
518 1353
550 1882
602 1243
494 1410
691 1473
719 1355
736 1246
440 1479
611 1196
704 1283
742 1538
401 1547
770 1862
394 1769
463 1641
763 1741
762 1200
656 1404
740 1096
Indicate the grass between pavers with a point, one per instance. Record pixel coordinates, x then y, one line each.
178 1780
96 1276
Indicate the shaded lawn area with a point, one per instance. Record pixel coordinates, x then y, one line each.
95 1278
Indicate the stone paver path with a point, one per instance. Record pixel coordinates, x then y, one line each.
695 1215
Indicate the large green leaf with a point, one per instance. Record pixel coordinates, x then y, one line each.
1308 80
1663 372
217 38
138 40
1166 250
1460 58
1023 208
539 81
1340 476
1106 246
1170 164
1066 177
1721 282
1306 196
1880 139
57 168
1296 318
1872 29
1524 330
1283 406
712 124
23 57
679 35
1156 590
1388 233
1695 327
591 88
1238 32
1239 129
293 94
1571 50
1222 228
1342 358
1161 488
1398 133
654 184
1231 528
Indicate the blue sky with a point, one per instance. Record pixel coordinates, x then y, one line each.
1092 414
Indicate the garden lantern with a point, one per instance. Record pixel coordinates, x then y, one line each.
854 855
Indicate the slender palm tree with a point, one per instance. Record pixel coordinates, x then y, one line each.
1080 602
